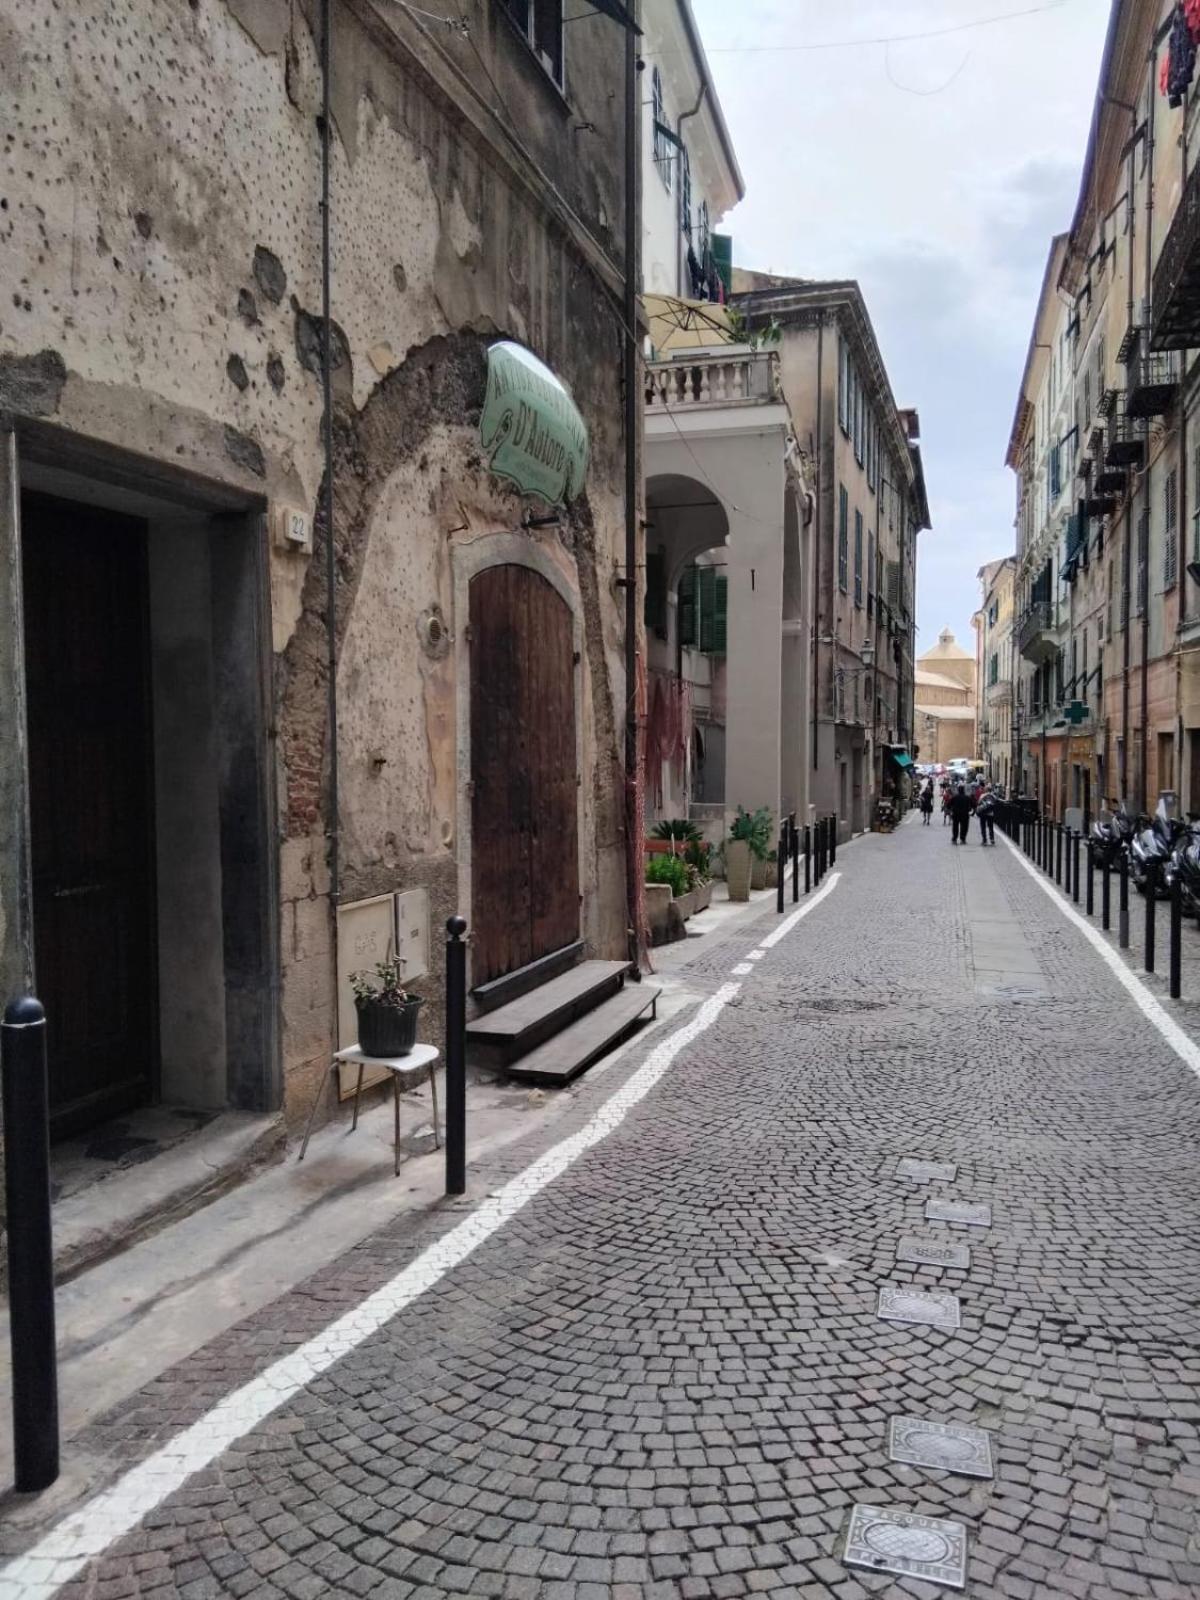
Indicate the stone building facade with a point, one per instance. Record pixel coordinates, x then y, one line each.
1104 451
168 827
871 504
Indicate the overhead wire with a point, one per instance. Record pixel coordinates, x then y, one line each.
893 38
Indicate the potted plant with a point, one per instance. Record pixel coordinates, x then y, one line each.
738 856
666 880
387 1012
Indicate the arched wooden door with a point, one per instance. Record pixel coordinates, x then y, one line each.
524 794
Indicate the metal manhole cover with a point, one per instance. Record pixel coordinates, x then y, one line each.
937 1307
951 1446
927 1171
971 1216
933 1252
905 1543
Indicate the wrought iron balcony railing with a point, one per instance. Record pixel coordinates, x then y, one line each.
1035 632
1125 445
1175 323
1153 383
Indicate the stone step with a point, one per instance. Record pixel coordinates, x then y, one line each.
593 1035
527 1022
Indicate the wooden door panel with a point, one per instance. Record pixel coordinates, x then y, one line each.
525 874
554 851
87 689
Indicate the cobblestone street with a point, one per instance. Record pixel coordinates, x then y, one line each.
663 1373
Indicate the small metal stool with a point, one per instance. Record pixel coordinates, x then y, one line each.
406 1071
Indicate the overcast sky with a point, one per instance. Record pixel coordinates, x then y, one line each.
935 172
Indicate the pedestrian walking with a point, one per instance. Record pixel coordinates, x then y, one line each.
985 810
926 802
947 796
960 814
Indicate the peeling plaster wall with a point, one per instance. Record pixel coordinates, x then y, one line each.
160 223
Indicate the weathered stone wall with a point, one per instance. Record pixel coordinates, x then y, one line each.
160 223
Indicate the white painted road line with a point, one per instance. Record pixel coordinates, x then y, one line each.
1148 1004
788 923
63 1553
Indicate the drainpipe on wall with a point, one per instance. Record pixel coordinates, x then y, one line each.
333 817
1149 264
819 533
634 812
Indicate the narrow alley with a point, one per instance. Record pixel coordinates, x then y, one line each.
650 1360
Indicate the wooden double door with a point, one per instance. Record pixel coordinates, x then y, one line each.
90 759
524 772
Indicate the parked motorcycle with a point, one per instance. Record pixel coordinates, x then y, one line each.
1151 850
1112 838
1185 864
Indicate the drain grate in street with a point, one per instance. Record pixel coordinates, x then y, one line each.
963 1211
933 1252
910 1545
927 1171
950 1446
936 1307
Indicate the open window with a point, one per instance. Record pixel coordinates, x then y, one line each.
540 23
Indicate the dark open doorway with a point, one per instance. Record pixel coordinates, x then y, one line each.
91 793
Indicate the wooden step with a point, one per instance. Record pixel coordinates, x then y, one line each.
525 1023
591 1036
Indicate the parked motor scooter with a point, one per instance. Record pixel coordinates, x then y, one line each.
1111 838
1186 865
1153 847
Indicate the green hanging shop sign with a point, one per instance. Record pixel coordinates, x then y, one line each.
530 429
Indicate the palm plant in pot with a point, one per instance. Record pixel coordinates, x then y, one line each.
387 1011
746 850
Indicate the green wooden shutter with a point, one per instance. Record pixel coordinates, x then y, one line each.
686 614
721 617
707 585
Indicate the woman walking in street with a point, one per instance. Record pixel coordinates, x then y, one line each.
926 802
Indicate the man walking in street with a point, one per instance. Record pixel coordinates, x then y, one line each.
985 810
960 814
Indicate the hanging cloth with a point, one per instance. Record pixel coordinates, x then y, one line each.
1181 58
1191 10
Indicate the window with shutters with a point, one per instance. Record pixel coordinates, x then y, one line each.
1055 474
1143 562
685 616
655 611
685 191
1087 400
870 574
662 145
1170 530
705 230
860 408
843 538
540 23
858 559
843 386
712 588
1082 692
994 669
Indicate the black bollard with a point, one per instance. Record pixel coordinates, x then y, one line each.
807 859
30 1251
456 1056
1090 903
1105 892
822 830
1067 861
1151 915
1123 905
1075 867
1176 937
1058 853
781 851
795 860
833 841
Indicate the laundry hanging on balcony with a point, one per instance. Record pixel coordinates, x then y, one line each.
1179 64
